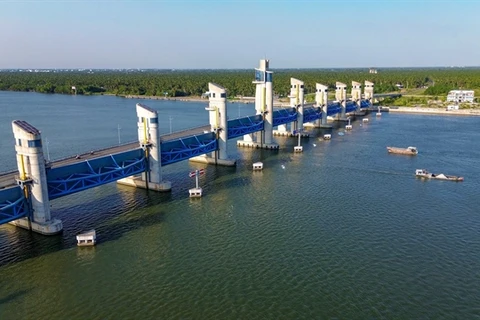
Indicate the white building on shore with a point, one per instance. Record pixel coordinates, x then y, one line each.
459 96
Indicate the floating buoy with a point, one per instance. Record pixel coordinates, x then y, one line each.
258 166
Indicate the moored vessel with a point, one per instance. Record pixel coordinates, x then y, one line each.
422 173
411 151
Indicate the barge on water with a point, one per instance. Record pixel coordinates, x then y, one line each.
422 173
411 151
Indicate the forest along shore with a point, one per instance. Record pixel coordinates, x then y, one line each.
421 110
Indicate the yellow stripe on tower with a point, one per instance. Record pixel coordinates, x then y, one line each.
264 99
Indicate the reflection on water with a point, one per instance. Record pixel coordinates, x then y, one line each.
342 230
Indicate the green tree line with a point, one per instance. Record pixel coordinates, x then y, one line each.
237 82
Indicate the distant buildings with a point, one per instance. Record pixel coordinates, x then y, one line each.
459 96
372 70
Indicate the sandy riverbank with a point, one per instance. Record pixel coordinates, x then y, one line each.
462 112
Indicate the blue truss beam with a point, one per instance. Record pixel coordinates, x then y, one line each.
333 109
95 176
283 116
242 126
186 148
13 205
351 106
364 104
311 114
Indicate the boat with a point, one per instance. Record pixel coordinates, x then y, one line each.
87 239
411 151
422 173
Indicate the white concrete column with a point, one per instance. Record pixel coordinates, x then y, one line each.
149 136
296 100
368 89
31 168
149 140
218 113
357 94
341 96
268 124
321 99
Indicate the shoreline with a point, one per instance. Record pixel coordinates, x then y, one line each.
438 111
248 100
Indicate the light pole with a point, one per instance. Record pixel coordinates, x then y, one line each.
48 151
119 141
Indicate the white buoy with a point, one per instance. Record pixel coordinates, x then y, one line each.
195 192
298 148
348 126
327 136
283 166
365 120
258 166
314 144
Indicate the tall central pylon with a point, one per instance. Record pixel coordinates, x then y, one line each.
263 106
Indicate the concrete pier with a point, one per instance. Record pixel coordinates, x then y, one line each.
321 99
33 180
218 121
149 140
341 96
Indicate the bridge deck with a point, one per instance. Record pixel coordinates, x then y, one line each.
8 179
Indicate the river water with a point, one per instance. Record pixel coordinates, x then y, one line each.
343 230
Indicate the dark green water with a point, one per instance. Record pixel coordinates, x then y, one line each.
342 231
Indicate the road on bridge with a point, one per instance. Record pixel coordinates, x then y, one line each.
8 179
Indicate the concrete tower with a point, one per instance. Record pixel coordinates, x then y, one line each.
341 96
369 92
321 99
149 139
217 107
296 101
263 106
357 93
33 179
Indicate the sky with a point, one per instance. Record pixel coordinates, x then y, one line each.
232 34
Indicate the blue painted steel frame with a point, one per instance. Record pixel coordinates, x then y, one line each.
364 104
283 116
351 106
112 170
13 205
242 126
188 147
311 114
333 108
